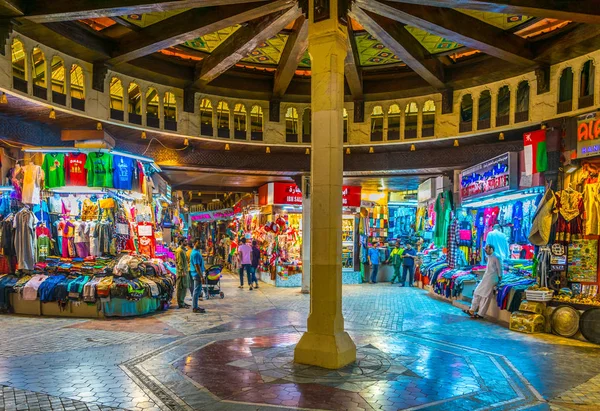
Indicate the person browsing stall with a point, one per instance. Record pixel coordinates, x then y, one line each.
484 292
197 270
244 252
255 261
374 262
183 276
396 261
409 256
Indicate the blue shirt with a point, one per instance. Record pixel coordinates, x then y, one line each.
123 173
407 261
196 259
374 255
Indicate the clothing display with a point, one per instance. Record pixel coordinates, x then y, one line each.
75 171
33 180
54 170
99 168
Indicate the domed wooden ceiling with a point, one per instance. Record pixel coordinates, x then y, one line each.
258 48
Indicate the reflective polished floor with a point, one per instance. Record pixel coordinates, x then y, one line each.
414 353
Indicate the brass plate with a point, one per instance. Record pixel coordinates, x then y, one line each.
565 321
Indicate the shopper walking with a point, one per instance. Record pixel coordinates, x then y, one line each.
408 265
182 268
484 292
255 262
374 262
396 261
244 252
197 269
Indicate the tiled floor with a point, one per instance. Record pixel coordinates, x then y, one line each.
414 352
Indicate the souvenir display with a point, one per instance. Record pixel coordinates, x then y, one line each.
565 321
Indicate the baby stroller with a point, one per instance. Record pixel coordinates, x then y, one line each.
212 282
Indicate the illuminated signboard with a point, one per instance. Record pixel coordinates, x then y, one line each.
588 135
493 176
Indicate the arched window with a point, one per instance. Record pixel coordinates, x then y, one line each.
116 99
134 96
291 125
58 81
256 123
394 115
38 73
565 91
503 107
377 124
306 126
428 129
152 107
223 120
239 122
19 71
522 109
345 126
586 85
77 88
485 110
206 117
170 111
411 116
466 114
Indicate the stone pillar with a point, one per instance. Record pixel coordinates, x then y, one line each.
306 234
325 343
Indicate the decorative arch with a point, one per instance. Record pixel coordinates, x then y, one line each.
484 114
307 126
134 98
240 126
394 116
587 84
411 120
466 113
428 128
117 106
170 111
38 73
152 108
58 78
77 79
377 124
19 65
256 123
292 128
223 130
503 106
522 106
345 114
565 91
206 117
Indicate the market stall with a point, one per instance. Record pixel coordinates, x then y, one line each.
80 235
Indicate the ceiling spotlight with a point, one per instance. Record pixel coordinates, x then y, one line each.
371 150
456 143
99 126
543 126
186 142
227 147
52 114
501 136
348 150
199 194
3 98
143 135
268 150
412 147
307 152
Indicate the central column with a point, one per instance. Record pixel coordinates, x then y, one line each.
325 343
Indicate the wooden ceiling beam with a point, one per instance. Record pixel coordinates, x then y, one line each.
79 34
456 26
580 11
294 49
43 11
352 68
395 37
11 8
190 25
241 43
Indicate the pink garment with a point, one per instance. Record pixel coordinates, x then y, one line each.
82 250
31 288
245 252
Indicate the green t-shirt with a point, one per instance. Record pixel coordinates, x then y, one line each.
54 170
99 168
43 248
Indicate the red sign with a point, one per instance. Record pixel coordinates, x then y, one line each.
288 194
351 196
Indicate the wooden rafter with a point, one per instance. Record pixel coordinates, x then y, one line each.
190 25
80 34
352 69
457 26
584 11
294 49
242 42
395 37
11 8
43 11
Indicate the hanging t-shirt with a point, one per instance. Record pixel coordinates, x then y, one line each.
100 170
43 248
54 168
76 174
123 172
33 179
147 242
41 211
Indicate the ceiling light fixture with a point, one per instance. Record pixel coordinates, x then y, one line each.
227 147
143 135
412 147
99 126
186 142
348 150
268 150
456 142
501 136
307 152
3 99
52 114
371 150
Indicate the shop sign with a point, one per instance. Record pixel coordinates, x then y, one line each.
161 187
290 194
493 176
207 216
588 135
426 190
351 196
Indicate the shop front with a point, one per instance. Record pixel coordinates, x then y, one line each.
82 233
